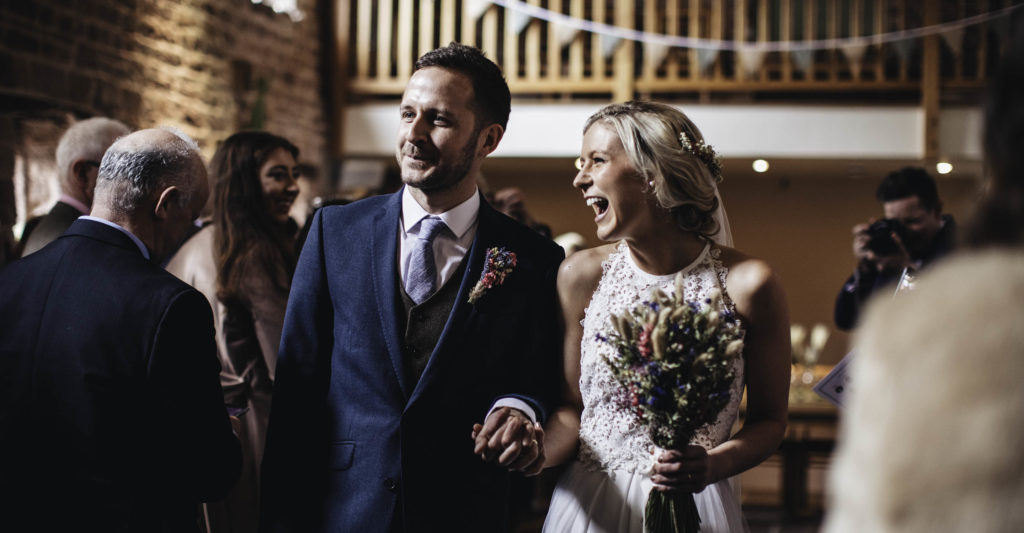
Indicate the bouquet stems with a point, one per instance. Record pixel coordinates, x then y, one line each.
671 512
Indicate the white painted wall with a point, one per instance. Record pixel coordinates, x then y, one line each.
781 131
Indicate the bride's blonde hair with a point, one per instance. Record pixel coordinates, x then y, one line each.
683 180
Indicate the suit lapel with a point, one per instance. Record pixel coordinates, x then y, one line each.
384 254
462 310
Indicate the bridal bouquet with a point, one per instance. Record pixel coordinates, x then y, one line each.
675 358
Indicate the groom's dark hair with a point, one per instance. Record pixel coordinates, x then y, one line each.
492 100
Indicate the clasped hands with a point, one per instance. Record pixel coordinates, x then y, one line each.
509 438
686 470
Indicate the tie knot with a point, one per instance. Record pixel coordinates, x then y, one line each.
430 227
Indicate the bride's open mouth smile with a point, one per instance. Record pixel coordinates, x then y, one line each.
599 204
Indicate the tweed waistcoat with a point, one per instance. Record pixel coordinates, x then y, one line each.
422 324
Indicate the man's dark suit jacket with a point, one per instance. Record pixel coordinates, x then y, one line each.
44 230
111 413
353 441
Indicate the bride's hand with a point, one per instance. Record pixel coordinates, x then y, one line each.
687 470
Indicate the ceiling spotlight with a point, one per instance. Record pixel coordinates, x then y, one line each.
760 165
579 164
944 167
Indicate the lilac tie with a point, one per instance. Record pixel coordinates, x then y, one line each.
421 279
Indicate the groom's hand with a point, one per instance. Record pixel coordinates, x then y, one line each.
511 439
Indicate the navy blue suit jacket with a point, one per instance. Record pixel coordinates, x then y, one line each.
111 412
352 442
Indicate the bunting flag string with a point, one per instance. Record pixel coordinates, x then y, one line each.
520 21
750 61
705 58
802 59
854 54
904 49
655 54
679 41
609 44
954 39
565 35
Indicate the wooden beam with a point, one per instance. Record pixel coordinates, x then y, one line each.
624 87
384 36
930 86
339 83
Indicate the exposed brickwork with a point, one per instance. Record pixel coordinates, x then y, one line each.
195 64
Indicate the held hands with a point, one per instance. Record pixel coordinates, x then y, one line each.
509 438
686 470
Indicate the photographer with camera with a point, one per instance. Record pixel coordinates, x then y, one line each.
913 234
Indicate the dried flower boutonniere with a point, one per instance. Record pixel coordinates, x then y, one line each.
498 263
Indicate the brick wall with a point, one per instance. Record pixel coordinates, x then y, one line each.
205 66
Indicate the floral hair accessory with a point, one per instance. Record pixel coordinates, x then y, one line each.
498 263
703 152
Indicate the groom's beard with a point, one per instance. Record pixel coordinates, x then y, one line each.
445 176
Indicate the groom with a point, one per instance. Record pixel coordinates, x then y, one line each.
395 341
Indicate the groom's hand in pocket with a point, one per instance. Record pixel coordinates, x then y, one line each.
511 439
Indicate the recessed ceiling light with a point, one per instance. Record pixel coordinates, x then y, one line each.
760 165
944 167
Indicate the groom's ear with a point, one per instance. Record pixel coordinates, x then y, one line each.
489 138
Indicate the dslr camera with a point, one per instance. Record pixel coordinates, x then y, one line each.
880 239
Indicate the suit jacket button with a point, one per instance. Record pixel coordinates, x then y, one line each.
390 484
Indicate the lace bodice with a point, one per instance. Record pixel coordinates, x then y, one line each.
612 437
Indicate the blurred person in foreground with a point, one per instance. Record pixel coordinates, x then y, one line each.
111 415
912 236
243 264
933 437
78 161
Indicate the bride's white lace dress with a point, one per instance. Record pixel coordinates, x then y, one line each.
605 488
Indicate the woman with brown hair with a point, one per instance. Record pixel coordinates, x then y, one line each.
243 263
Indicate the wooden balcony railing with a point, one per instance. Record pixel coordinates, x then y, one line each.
741 49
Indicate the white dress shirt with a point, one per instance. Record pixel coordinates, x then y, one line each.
450 248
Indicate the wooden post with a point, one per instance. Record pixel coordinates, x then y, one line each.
693 17
930 86
786 34
384 32
879 29
404 57
625 84
338 85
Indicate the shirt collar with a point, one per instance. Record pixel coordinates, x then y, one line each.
136 240
75 202
458 219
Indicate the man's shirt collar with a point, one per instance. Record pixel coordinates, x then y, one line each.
459 219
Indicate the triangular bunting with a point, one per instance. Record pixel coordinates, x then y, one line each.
706 58
476 8
750 60
520 21
565 34
608 45
802 59
954 39
904 48
655 54
854 54
1001 27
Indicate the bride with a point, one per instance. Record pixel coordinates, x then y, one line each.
651 181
